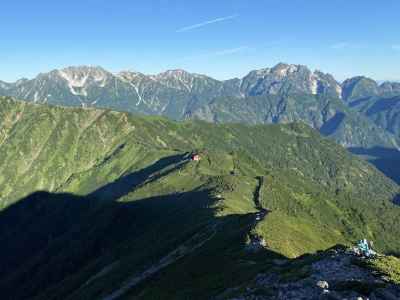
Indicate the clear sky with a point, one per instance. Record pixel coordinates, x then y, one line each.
220 38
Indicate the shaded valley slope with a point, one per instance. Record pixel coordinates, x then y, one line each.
99 204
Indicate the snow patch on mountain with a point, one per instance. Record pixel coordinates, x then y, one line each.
79 78
133 79
314 84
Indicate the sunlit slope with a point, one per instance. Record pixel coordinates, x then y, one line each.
48 147
138 218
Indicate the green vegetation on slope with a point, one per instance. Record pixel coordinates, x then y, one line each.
388 266
124 201
330 115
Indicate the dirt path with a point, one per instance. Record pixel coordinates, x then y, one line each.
262 212
257 242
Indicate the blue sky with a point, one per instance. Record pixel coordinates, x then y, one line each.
220 38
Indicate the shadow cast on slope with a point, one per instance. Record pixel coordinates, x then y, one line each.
42 217
332 124
384 104
357 102
125 184
387 160
53 244
396 199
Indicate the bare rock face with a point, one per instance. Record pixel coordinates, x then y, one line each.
256 243
335 276
323 284
295 79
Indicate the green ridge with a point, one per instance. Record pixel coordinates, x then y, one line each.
123 197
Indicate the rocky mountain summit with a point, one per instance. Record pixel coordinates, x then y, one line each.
289 79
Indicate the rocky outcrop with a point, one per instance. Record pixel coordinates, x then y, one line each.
336 274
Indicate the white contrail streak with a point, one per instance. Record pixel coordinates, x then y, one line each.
195 26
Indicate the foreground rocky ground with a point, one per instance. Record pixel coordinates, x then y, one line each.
334 274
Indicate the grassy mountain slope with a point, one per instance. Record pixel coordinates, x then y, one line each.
327 114
126 214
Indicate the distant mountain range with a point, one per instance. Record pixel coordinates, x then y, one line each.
357 113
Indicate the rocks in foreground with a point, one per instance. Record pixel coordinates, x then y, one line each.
335 274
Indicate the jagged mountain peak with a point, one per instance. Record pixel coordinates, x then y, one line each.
83 72
181 80
289 78
281 69
178 74
284 69
325 83
131 75
84 69
78 78
174 72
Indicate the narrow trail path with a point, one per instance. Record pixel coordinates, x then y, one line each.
262 212
189 246
257 242
184 249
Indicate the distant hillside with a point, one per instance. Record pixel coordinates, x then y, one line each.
381 103
127 214
329 115
282 94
